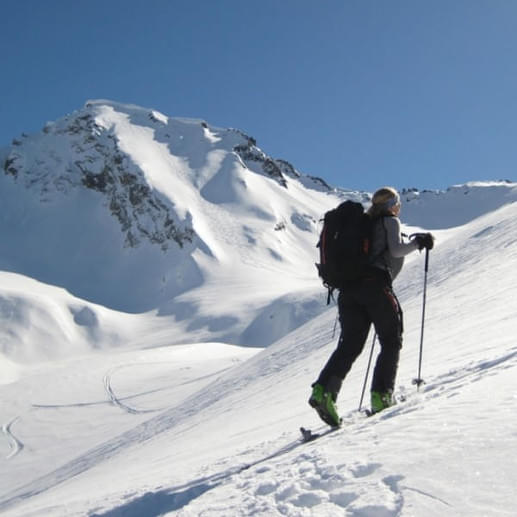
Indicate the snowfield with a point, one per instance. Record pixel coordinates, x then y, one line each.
105 412
212 429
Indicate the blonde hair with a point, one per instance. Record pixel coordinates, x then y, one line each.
383 199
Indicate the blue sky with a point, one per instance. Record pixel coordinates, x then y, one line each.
362 93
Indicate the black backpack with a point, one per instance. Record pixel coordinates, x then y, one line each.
345 245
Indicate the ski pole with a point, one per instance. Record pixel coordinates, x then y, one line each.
418 381
335 325
367 372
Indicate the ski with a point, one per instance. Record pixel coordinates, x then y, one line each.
309 436
400 398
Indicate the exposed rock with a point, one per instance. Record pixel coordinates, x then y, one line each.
100 165
248 152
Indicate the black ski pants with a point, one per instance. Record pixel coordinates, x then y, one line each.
372 300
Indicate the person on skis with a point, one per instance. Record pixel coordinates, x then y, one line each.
370 300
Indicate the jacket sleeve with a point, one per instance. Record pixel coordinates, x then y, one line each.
396 246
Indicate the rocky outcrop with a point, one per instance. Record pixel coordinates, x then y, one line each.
92 159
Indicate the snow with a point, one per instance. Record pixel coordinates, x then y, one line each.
113 413
212 429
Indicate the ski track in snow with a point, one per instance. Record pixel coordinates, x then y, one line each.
103 452
119 401
15 445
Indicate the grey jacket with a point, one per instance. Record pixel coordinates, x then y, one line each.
388 246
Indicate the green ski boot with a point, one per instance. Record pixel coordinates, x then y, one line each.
323 402
381 401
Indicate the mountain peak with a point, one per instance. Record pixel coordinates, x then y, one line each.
152 206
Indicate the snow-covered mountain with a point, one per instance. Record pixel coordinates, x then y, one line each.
121 213
129 209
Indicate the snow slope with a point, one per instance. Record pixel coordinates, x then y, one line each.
177 430
137 248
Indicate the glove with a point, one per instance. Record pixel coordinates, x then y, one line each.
424 240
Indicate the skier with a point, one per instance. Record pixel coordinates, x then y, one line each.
370 300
